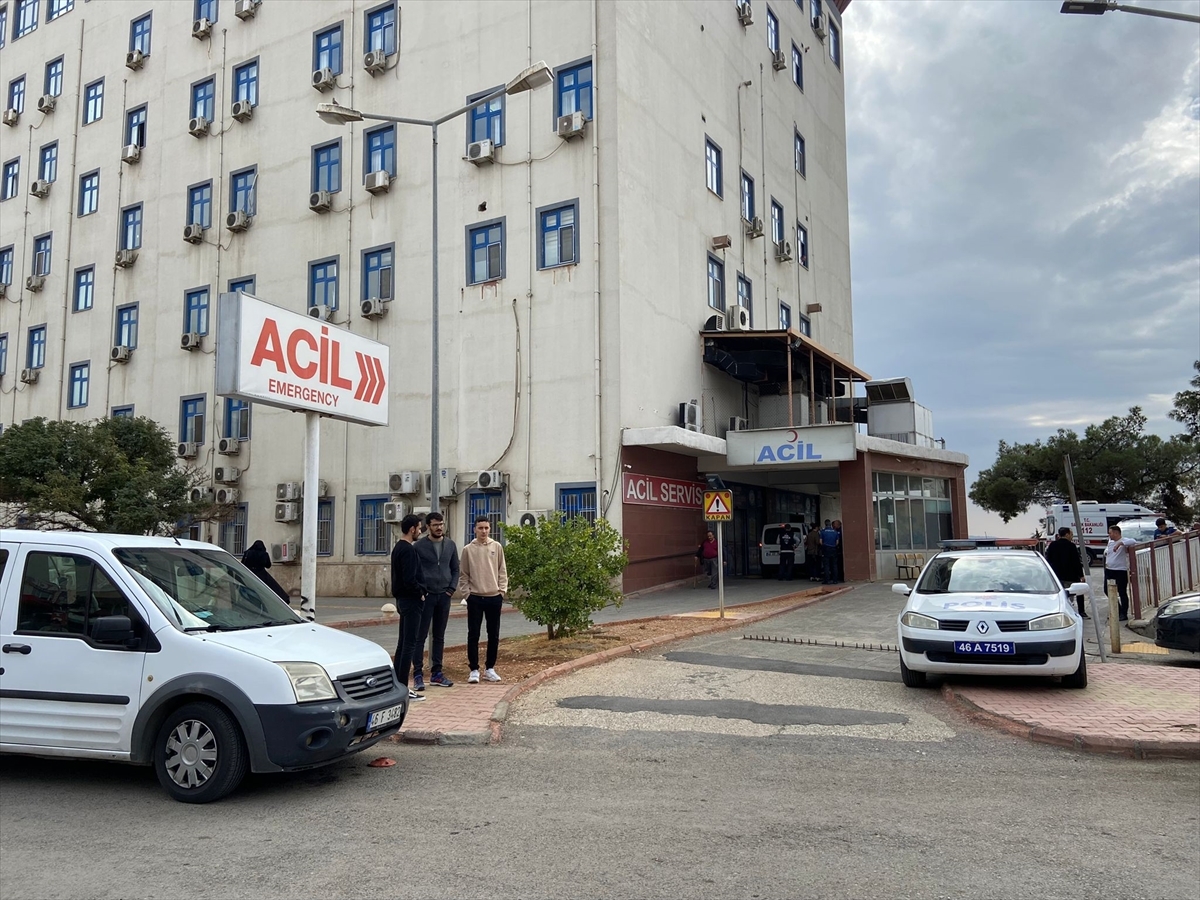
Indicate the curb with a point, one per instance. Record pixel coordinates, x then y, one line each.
1095 743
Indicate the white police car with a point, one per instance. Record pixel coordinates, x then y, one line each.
990 612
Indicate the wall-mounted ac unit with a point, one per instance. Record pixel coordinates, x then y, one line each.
201 29
737 318
287 490
689 415
40 188
238 221
135 59
745 14
322 488
375 62
778 60
245 9
30 376
229 446
754 227
243 110
570 126
3 291
125 258
722 242
120 353
131 153
378 182
287 512
321 311
737 423
320 201
490 480
46 103
35 283
324 80
481 152
193 233
447 482
820 26
200 495
198 127
227 495
404 482
396 510
527 517
372 308
783 251
187 449
227 474
715 323
285 552
9 117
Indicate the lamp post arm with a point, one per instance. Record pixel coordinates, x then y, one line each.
486 98
403 120
1157 13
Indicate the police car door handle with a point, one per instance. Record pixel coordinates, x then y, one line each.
17 648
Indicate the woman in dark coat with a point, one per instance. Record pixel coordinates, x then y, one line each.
258 560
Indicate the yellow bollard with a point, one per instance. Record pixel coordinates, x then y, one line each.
1114 617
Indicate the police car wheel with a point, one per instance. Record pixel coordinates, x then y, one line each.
911 679
1078 678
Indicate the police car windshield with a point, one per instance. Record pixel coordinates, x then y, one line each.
1009 573
204 590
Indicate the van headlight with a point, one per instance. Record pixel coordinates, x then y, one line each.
916 620
1051 622
310 682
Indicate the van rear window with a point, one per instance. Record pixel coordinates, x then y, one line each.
3 561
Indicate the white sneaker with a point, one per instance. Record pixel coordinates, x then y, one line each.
473 678
413 695
491 675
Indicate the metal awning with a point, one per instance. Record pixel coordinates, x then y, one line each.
771 359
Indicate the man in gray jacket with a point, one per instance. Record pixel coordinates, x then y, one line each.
439 568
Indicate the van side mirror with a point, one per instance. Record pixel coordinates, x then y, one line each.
902 589
112 630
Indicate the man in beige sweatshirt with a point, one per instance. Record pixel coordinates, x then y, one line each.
484 575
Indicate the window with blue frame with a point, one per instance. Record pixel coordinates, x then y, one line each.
48 162
745 294
25 20
131 227
200 205
245 82
802 244
814 9
241 191
16 94
325 526
35 356
85 288
80 375
716 284
93 102
42 245
6 265
776 222
3 354
195 311
327 50
54 77
578 501
245 285
381 29
835 45
485 243
377 274
3 24
486 503
206 9
139 34
204 99
487 121
797 67
237 419
323 283
127 326
89 193
327 167
191 419
121 412
712 167
747 197
559 244
372 531
135 127
575 90
233 530
785 316
801 161
12 179
56 8
805 326
380 150
772 31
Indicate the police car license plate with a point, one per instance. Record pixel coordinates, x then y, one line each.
986 648
381 718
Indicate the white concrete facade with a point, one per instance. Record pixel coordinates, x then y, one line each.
528 386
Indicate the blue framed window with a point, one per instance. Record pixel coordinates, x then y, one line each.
80 375
323 283
191 418
776 222
327 50
35 356
574 90
381 29
204 99
93 102
48 162
835 45
805 327
327 167
206 9
139 34
245 285
745 294
25 20
785 316
6 265
814 8
200 205
85 289
559 243
747 197
12 179
377 273
57 8
233 530
712 167
797 67
371 537
89 193
577 500
486 247
716 284
195 311
325 526
245 82
16 94
121 412
237 419
54 77
380 149
127 326
801 160
3 354
486 503
3 25
241 191
135 127
802 244
487 121
772 31
42 245
131 227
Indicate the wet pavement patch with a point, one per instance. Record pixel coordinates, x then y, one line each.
759 713
757 664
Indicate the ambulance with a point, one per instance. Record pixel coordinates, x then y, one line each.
1096 518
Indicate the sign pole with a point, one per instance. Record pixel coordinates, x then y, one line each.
308 540
1083 555
721 568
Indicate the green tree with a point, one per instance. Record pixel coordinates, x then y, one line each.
1187 407
565 569
115 475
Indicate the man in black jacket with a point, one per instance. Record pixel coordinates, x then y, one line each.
409 590
1063 556
439 570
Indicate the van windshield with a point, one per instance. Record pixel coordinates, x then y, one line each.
204 590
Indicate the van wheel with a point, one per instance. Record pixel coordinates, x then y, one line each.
199 755
910 678
1078 678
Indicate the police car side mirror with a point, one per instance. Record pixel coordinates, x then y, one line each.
1079 589
902 589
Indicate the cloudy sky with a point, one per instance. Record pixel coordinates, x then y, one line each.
1025 214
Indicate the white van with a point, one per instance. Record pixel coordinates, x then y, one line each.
769 546
164 652
1096 519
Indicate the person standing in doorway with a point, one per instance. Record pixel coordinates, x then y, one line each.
707 554
1116 566
812 553
839 574
787 552
409 590
829 545
439 569
485 575
1063 556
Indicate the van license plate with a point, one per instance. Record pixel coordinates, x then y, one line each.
381 718
986 648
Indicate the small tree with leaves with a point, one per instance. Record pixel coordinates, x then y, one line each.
565 569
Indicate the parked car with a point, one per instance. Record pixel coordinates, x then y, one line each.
990 611
164 652
769 546
1141 530
1177 623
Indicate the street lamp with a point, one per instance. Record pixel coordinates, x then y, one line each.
1100 7
535 76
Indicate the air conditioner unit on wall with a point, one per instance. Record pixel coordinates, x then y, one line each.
243 110
126 258
30 376
201 29
35 283
396 510
229 446
375 62
783 251
778 61
46 103
190 340
39 188
481 152
321 311
287 512
378 182
527 517
120 353
193 233
372 308
187 449
238 221
287 490
200 495
322 488
715 323
10 117
135 59
227 474
320 201
820 26
737 423
447 482
490 480
131 153
689 415
227 495
324 80
754 227
198 127
737 318
745 14
404 482
570 126
285 552
245 9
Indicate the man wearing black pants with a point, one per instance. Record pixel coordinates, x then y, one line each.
409 590
1063 556
485 576
439 569
1116 566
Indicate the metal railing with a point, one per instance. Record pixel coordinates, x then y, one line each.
1158 570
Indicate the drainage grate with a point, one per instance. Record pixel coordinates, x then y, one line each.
842 645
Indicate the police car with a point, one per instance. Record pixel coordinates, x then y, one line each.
988 611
